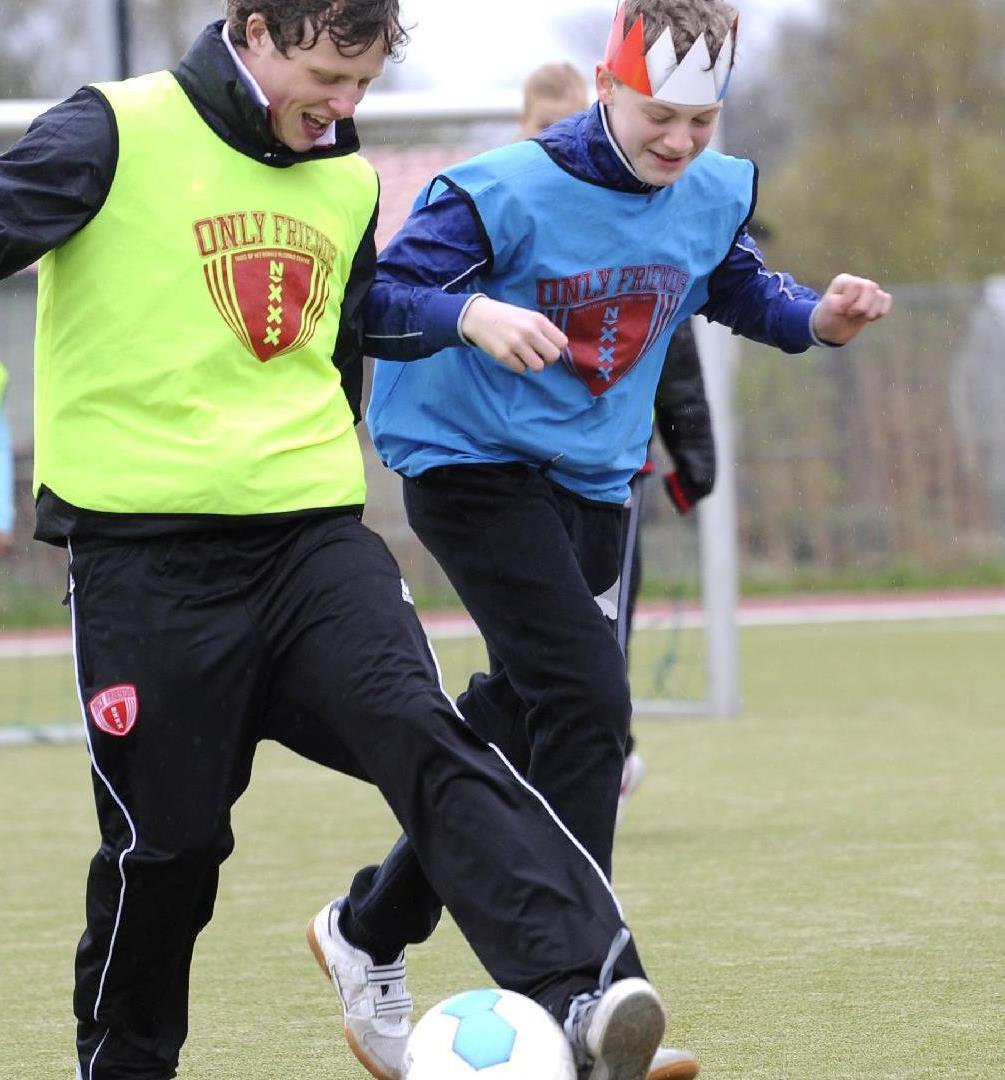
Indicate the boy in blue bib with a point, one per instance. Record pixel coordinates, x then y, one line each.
521 317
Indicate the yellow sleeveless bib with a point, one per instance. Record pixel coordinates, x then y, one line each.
184 336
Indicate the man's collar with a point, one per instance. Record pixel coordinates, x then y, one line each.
244 74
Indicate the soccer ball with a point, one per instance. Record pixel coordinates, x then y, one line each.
488 1035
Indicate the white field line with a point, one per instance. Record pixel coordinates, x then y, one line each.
753 614
455 626
23 735
15 646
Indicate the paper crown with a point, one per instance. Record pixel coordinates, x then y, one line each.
695 80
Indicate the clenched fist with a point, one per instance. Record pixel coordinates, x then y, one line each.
849 304
522 340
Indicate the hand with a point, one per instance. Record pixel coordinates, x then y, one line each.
848 305
520 339
674 488
6 544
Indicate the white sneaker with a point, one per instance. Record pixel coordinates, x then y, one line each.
632 776
374 1000
671 1064
615 1035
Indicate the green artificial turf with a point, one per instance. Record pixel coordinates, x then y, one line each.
817 888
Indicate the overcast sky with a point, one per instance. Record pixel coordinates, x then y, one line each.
455 43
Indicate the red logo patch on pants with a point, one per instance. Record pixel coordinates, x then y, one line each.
114 710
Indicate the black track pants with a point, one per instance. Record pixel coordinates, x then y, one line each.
191 650
538 569
530 561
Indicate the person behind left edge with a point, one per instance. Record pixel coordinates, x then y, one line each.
6 473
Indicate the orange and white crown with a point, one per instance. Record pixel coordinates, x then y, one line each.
695 80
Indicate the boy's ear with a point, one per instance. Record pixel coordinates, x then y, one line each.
605 85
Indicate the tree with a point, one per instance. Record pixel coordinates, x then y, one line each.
42 55
896 168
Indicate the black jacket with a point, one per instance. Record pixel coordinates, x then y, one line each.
56 178
684 422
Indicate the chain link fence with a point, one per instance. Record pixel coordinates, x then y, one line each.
882 458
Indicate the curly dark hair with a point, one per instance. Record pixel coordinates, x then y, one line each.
353 25
686 19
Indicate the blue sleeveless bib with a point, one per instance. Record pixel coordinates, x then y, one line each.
616 271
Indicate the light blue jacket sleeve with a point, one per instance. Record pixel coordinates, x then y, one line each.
6 476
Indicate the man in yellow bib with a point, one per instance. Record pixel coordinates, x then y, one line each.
206 236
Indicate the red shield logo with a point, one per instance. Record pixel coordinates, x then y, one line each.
607 338
271 300
115 709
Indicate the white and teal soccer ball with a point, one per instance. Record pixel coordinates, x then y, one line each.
488 1035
